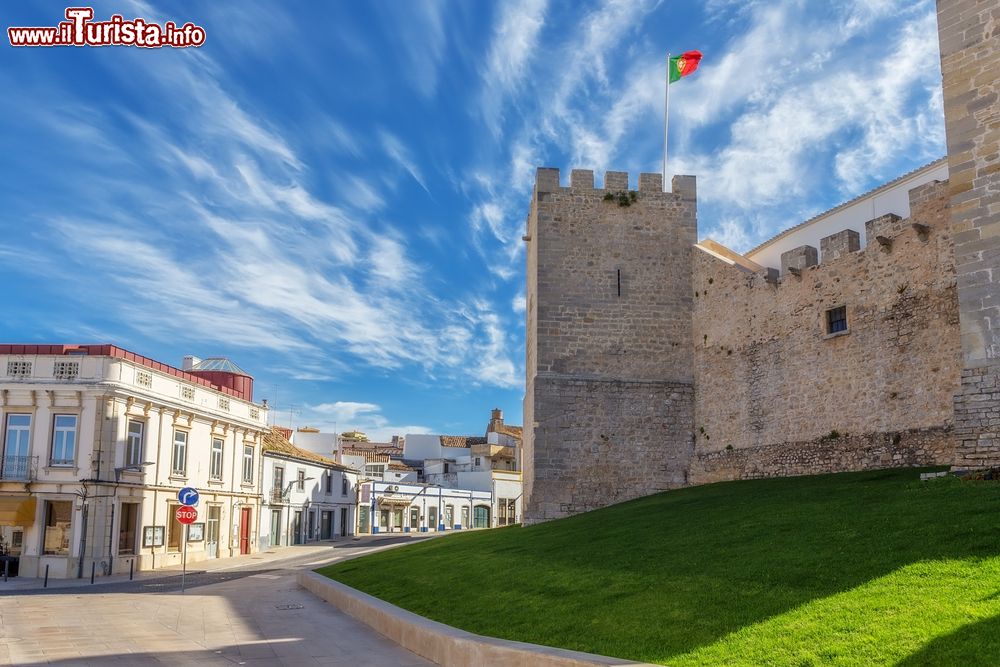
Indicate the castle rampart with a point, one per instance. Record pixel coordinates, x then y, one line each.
781 389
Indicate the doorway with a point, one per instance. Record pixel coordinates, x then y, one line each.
275 528
175 528
343 522
212 534
325 525
245 516
297 527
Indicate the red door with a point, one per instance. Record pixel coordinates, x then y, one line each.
244 531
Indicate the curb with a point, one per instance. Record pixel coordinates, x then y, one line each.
443 644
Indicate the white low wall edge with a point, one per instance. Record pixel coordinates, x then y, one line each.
443 644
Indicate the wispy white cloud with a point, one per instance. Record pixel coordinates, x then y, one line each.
513 44
342 416
401 155
419 34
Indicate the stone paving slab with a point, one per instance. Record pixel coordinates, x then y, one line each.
236 621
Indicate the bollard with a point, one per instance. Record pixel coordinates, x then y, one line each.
45 584
130 564
93 568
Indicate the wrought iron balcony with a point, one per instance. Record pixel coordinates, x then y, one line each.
19 468
277 497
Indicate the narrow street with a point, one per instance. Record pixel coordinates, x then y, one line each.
252 614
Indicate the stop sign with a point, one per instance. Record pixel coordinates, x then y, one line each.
186 515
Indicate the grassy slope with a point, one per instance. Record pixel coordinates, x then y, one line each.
860 568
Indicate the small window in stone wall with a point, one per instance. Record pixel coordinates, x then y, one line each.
187 393
223 403
836 320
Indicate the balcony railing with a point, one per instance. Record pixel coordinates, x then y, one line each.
276 496
19 468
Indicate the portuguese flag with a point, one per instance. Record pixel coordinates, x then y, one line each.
684 64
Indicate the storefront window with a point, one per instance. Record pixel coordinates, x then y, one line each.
58 525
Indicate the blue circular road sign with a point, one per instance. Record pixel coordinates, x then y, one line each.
188 496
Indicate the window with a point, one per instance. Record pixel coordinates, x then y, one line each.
479 461
187 393
248 463
133 443
63 440
300 480
343 485
66 370
328 482
502 512
17 447
223 403
58 524
836 320
215 470
178 463
19 369
254 414
449 515
144 379
128 528
512 511
465 517
279 479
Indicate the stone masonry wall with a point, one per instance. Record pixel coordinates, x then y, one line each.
969 35
608 405
777 394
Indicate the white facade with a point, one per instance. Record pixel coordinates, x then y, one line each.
305 500
384 507
95 449
890 198
324 444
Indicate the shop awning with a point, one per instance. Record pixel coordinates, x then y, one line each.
395 501
17 510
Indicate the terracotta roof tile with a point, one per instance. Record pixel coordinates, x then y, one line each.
275 441
462 440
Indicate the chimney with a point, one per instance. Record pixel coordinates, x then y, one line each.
190 361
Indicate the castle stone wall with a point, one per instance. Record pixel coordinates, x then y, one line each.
969 35
777 394
608 404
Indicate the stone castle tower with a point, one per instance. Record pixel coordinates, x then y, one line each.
969 32
641 346
609 353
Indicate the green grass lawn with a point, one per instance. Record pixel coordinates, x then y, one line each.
849 569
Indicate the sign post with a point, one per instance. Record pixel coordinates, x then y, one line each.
186 515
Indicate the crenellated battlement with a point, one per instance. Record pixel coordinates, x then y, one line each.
548 179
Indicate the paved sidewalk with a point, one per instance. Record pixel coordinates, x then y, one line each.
255 615
330 549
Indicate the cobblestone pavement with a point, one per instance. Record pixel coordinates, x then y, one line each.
248 615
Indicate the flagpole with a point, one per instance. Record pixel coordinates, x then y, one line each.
666 118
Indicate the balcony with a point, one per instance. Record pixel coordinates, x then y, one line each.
276 497
19 468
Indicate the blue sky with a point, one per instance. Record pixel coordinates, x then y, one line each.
333 194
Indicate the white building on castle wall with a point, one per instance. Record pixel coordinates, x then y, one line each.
97 441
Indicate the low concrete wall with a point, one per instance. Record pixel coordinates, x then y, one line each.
443 644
